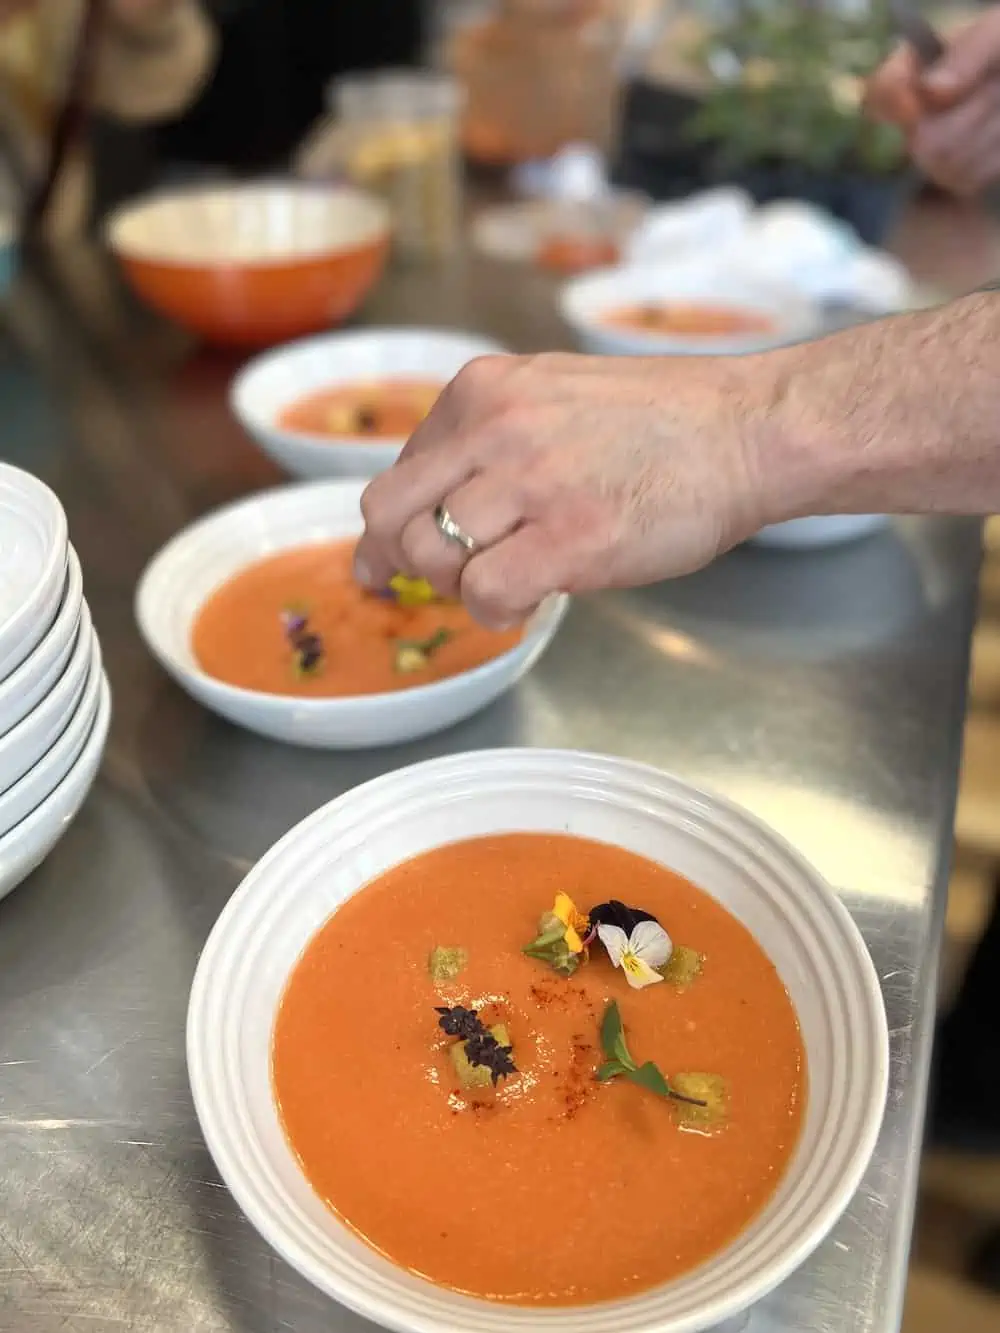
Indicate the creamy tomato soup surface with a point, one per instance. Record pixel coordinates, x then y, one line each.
540 1185
688 320
297 623
369 409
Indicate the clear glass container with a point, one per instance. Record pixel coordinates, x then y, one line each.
398 136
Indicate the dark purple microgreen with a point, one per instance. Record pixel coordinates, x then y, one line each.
306 645
481 1047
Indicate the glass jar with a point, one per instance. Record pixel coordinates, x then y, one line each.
398 135
537 75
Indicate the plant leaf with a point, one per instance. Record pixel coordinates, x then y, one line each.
609 1070
613 1037
648 1076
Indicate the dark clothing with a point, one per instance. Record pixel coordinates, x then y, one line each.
275 60
277 56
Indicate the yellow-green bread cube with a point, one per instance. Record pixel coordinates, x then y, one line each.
711 1089
682 967
444 964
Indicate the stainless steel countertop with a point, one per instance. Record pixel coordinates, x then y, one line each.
824 691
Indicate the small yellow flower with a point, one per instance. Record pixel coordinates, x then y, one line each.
412 592
576 923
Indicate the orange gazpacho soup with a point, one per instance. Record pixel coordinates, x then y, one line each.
298 623
369 409
679 319
539 1152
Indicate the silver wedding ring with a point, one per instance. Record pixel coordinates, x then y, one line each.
450 530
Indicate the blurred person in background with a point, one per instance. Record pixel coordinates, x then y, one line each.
225 84
148 58
950 113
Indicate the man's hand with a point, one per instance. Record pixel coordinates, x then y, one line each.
949 111
571 473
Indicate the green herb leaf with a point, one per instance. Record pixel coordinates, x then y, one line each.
609 1070
648 1076
613 1037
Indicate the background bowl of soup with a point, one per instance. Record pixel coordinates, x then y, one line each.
693 309
252 264
344 404
211 606
753 879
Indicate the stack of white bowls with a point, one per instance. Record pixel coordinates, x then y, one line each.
55 705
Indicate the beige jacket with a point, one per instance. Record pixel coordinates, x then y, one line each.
150 60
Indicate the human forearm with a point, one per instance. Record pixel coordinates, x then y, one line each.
898 416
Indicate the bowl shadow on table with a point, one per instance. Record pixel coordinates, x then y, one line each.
803 605
237 793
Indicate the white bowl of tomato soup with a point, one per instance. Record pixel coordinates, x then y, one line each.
344 404
691 309
255 613
440 1129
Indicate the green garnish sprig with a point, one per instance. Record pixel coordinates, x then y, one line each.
618 1061
415 654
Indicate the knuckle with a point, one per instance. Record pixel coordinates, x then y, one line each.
477 378
486 586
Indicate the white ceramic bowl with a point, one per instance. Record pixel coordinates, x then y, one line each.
33 549
272 382
29 843
42 778
182 575
285 899
35 677
807 534
587 300
24 745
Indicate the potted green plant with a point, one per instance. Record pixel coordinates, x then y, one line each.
783 116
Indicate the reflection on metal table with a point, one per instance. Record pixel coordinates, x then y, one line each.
823 691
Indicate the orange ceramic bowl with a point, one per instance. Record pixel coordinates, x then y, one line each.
253 264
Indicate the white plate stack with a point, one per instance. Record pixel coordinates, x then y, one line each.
55 705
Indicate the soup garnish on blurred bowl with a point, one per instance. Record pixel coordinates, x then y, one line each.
688 319
370 409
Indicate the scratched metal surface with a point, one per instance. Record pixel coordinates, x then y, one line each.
823 691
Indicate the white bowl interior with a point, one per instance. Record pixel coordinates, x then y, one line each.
587 300
262 223
33 547
34 678
29 842
291 892
44 776
191 566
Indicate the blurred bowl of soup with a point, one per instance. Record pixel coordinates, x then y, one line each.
694 309
564 1197
252 264
254 611
344 404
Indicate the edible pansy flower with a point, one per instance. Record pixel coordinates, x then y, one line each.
640 953
560 941
307 646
